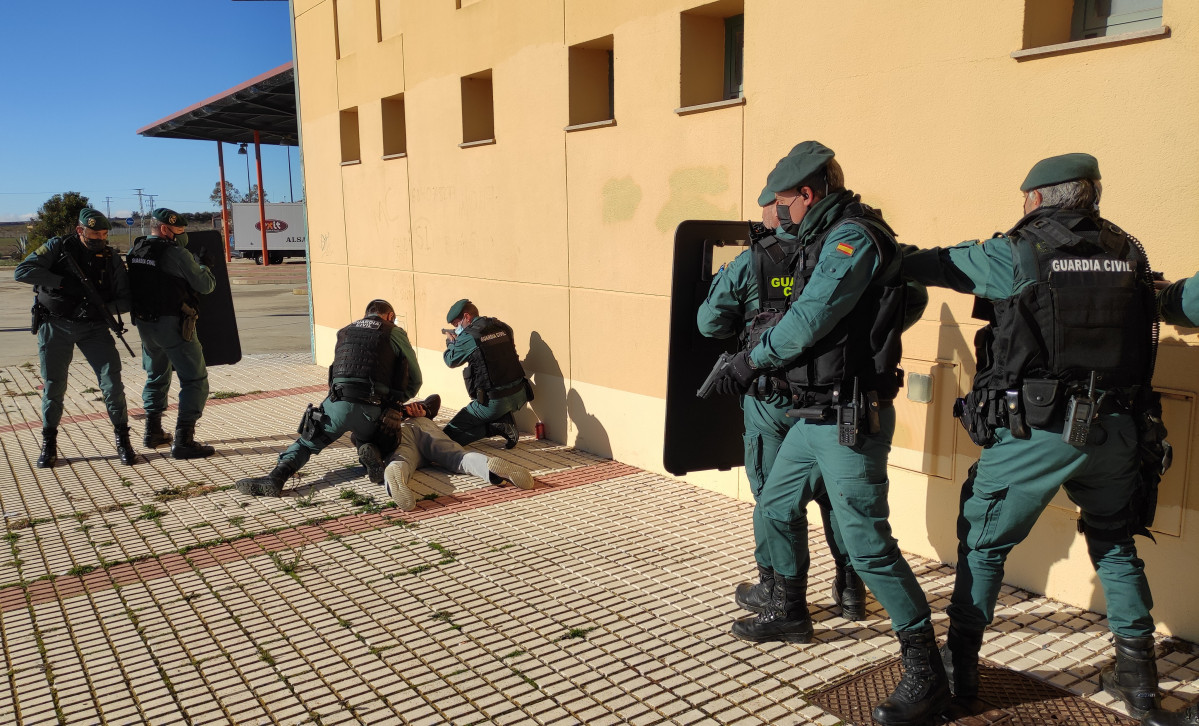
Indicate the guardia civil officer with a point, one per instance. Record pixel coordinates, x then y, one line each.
373 367
494 377
1062 365
839 343
748 296
166 281
64 319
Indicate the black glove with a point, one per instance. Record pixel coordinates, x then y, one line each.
737 375
71 286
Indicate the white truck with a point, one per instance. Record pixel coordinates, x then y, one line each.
286 233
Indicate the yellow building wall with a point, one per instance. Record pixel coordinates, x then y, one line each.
567 236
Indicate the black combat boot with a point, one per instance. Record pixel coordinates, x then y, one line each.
369 456
432 404
1186 717
155 436
923 692
125 446
849 593
786 619
960 658
506 427
49 453
270 485
756 598
185 446
1133 677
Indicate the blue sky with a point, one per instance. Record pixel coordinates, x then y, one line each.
77 79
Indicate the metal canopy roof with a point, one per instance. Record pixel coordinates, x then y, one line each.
266 103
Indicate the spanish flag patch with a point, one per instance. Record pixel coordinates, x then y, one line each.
844 249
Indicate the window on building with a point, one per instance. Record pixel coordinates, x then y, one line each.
395 132
713 40
591 82
350 148
478 108
1099 18
1050 22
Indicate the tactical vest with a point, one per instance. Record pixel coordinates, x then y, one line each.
774 263
155 293
98 268
1091 308
865 344
364 352
493 366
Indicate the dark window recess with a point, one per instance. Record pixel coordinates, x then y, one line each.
478 108
1100 18
592 85
734 55
395 135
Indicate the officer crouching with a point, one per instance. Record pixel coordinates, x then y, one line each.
1065 365
373 367
64 318
494 377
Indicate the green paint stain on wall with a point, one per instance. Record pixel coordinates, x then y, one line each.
690 190
621 197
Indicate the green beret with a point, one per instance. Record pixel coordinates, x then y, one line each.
805 159
766 197
92 219
456 310
169 216
1061 169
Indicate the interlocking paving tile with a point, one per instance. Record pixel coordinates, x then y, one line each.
157 594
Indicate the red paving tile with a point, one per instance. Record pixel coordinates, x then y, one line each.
13 598
103 415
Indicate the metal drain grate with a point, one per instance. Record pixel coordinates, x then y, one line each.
1011 699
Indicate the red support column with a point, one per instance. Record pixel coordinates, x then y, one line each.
220 157
261 204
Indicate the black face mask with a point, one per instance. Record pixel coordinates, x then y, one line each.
785 222
93 245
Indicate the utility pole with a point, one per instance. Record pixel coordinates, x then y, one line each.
151 198
108 207
141 211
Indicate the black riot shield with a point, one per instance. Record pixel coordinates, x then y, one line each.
700 434
217 326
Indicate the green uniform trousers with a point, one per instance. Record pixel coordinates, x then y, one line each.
164 350
357 418
766 425
470 423
856 481
1011 485
56 341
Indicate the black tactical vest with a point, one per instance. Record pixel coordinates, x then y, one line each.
865 344
155 293
774 264
364 353
494 366
1092 307
98 268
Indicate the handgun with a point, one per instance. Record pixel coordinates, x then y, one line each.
705 391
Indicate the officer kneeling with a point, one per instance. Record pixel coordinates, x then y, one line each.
373 366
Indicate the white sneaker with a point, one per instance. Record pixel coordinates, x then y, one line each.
506 470
395 481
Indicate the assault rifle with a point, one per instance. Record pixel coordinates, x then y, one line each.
93 297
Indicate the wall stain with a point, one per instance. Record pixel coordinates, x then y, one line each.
621 197
689 192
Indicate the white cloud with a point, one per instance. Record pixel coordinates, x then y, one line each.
17 217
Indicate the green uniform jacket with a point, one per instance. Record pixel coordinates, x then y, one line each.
400 389
1179 303
36 269
846 265
986 269
177 261
459 351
